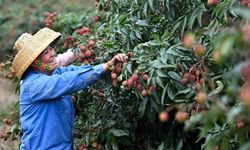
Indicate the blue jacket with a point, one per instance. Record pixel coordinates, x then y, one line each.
46 109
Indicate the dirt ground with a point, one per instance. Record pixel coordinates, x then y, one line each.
7 93
7 97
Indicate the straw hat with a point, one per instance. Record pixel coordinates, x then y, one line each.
30 46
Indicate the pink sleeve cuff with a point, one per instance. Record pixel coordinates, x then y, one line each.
66 58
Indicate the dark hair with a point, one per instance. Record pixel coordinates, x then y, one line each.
25 73
54 43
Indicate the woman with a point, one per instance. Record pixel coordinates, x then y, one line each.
46 109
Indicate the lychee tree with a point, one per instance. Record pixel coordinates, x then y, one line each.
185 85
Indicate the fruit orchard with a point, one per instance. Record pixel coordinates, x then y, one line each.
186 84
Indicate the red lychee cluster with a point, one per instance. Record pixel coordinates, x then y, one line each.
92 144
96 145
201 97
69 42
240 123
50 18
96 18
213 2
139 82
87 54
96 2
6 130
10 74
195 75
98 93
82 147
199 50
2 66
244 94
246 32
83 31
181 117
8 121
245 3
217 57
162 7
5 133
216 147
164 116
116 70
188 40
245 71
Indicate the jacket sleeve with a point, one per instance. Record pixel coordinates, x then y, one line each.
49 87
72 68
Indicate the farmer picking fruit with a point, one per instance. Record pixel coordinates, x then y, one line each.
46 109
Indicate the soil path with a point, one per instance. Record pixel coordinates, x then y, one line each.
7 96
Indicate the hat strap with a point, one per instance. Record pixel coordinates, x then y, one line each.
42 65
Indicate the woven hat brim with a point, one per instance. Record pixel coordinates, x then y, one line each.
30 52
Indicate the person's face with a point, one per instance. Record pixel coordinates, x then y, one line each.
48 56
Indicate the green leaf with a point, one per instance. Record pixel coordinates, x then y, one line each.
161 73
184 26
136 2
156 105
118 132
243 12
180 145
219 88
193 121
153 80
190 94
199 13
109 124
170 92
159 81
132 35
114 143
137 34
158 64
245 146
14 127
170 66
142 23
185 91
176 26
122 19
154 43
163 94
161 147
87 137
123 31
233 113
129 68
145 9
227 45
142 107
174 75
125 141
151 4
225 143
180 100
